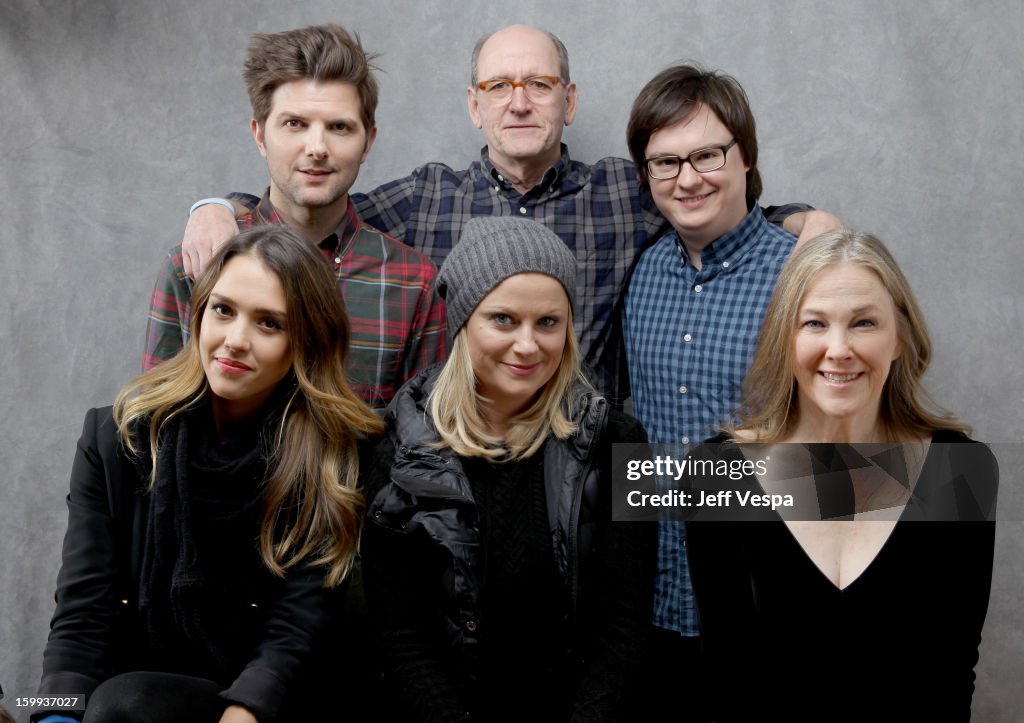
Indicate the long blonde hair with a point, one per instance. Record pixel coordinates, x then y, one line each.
313 508
769 407
457 408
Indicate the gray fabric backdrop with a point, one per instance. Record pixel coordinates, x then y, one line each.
903 118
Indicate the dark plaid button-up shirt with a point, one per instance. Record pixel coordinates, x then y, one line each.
398 322
598 210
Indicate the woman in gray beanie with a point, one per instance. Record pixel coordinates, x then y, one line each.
500 586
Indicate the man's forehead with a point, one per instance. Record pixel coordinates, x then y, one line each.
307 93
696 118
518 48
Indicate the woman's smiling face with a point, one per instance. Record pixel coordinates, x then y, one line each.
244 343
844 345
516 337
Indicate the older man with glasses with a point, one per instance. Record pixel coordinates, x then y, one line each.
521 95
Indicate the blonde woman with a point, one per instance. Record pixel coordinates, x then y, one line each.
214 513
500 586
875 610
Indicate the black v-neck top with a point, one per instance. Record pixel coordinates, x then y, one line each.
900 642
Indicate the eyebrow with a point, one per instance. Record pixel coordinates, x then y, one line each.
517 312
260 310
856 312
524 76
663 154
284 113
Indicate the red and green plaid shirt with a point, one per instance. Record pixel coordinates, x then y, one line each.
397 319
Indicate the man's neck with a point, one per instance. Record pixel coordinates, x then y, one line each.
315 223
523 175
694 248
695 243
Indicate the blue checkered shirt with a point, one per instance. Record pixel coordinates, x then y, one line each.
690 337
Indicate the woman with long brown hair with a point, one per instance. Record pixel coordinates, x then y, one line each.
214 510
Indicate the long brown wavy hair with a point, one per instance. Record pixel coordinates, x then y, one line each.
313 509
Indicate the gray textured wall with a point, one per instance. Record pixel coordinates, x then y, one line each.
116 115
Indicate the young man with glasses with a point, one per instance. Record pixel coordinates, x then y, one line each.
521 97
693 310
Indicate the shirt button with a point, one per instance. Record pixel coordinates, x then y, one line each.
682 389
725 264
687 337
337 259
501 177
685 440
497 188
471 626
522 210
698 288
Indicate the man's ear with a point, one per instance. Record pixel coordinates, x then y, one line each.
370 138
257 135
474 108
570 103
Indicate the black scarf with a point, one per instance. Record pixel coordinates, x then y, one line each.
171 585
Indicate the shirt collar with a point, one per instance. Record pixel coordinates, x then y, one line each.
553 177
731 247
331 245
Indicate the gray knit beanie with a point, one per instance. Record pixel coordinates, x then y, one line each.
491 249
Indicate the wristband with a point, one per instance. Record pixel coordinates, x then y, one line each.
206 201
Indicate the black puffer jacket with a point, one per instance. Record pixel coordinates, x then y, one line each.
429 491
422 507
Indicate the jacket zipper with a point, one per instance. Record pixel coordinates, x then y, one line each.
574 514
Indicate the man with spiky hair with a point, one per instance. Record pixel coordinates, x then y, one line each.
313 97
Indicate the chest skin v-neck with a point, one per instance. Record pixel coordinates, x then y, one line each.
868 558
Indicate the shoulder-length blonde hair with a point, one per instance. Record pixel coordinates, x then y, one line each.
457 408
769 407
312 506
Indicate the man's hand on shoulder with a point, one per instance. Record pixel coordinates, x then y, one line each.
808 224
209 227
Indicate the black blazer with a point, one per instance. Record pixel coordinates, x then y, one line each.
96 632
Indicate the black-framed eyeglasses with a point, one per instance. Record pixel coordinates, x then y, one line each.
703 160
537 87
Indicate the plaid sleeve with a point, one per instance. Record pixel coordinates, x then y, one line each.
777 214
427 342
390 205
169 312
246 199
